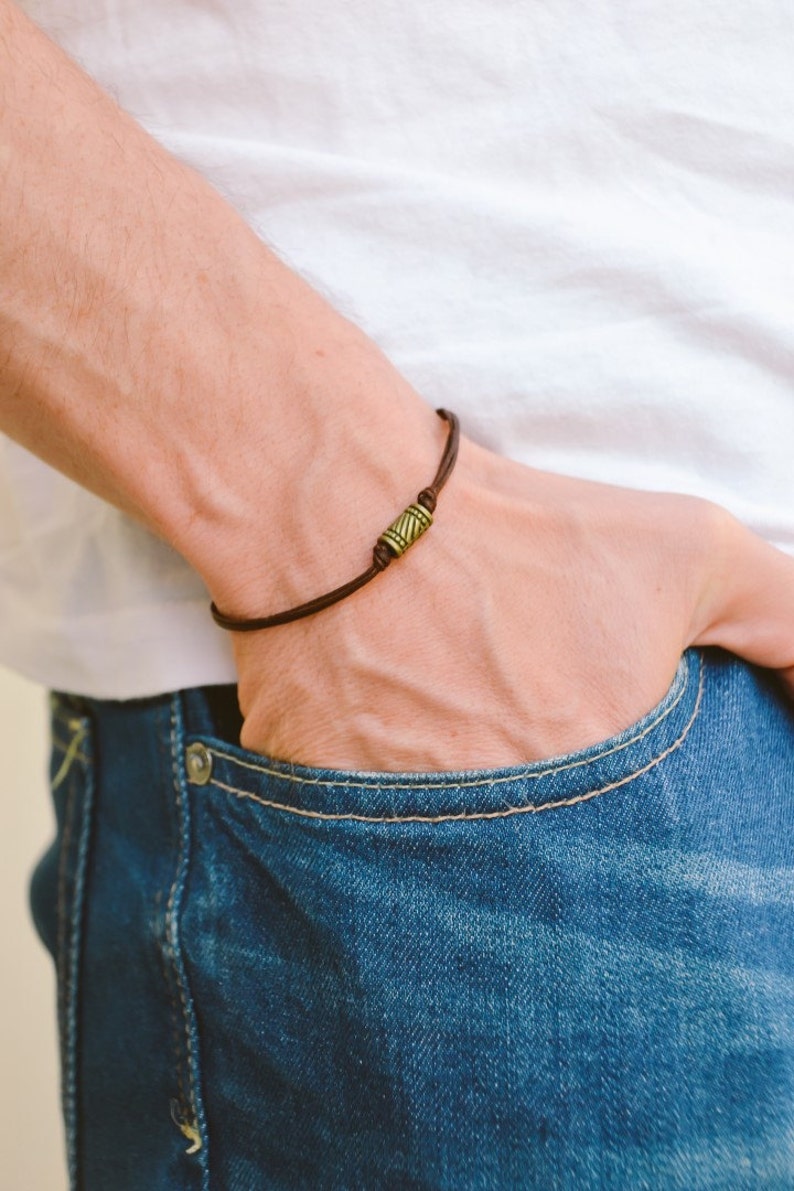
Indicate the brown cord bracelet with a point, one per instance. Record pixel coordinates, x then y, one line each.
393 542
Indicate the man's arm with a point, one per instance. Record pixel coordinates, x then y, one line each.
156 351
152 348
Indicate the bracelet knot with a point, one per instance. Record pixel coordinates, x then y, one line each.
391 544
381 555
428 499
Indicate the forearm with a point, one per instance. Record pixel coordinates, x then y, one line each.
155 350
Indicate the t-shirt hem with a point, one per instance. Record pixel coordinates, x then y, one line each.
124 654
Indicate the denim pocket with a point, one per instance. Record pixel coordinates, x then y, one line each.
419 980
464 794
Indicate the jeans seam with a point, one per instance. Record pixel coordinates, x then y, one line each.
62 966
516 774
70 947
191 1119
505 812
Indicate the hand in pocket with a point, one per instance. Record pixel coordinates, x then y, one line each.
539 615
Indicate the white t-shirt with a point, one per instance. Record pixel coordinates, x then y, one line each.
571 223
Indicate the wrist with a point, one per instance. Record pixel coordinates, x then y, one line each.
296 510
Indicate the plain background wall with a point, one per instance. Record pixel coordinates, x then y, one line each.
32 1155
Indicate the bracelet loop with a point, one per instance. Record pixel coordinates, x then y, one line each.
392 543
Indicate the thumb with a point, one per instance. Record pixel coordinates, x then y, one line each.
748 599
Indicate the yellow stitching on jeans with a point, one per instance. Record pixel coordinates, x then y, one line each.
61 910
184 1127
72 752
487 781
60 746
189 1101
65 714
465 815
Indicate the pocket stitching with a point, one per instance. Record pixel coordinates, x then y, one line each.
500 814
516 774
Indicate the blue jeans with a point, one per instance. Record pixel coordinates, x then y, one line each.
571 975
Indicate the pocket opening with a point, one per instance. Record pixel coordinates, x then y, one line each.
488 793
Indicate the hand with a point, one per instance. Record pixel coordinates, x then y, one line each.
540 614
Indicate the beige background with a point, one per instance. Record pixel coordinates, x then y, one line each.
32 1156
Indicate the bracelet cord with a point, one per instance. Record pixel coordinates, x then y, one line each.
392 543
